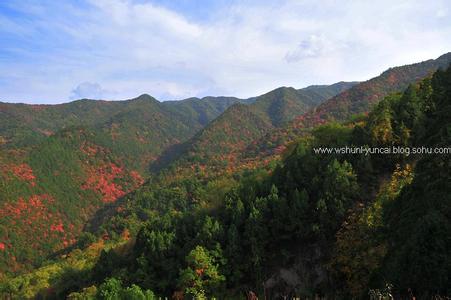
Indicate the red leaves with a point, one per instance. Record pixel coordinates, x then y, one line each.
280 149
115 170
58 227
32 221
90 151
126 234
138 180
200 272
32 209
102 180
23 172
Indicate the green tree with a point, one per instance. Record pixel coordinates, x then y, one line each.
134 292
110 290
338 190
201 278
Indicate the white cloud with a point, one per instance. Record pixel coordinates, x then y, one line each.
313 46
243 50
88 90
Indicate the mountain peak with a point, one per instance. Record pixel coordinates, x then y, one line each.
145 97
445 57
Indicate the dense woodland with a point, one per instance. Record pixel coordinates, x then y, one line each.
243 207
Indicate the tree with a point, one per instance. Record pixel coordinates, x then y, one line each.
201 278
134 292
110 289
338 190
155 252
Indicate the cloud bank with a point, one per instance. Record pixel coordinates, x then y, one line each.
54 51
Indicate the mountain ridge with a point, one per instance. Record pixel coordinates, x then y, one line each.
222 139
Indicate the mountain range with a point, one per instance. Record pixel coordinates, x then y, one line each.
64 167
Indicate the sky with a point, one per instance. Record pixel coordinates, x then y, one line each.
58 51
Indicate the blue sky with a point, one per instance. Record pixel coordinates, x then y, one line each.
56 51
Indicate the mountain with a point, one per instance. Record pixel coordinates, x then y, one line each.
60 164
362 97
20 121
284 104
358 99
222 140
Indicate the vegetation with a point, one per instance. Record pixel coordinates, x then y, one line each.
341 225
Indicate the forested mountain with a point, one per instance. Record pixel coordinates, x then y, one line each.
221 142
23 124
357 100
231 215
246 137
363 96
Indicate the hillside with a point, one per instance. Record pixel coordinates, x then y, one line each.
363 96
220 143
60 164
359 99
24 124
286 114
49 193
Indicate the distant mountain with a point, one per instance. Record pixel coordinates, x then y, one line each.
284 104
24 124
363 96
221 141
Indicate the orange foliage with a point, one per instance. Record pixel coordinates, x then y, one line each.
126 235
136 178
23 172
57 227
199 272
102 180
